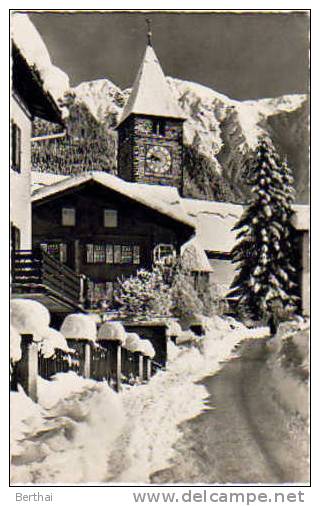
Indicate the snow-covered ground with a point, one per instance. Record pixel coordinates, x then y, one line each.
83 432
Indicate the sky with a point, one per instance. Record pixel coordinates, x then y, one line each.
244 56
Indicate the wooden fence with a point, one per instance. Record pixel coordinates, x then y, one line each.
107 361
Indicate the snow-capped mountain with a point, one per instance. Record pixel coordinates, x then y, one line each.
220 128
205 110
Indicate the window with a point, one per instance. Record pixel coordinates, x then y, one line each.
56 249
159 127
68 216
15 147
112 254
109 254
110 218
136 255
126 254
117 253
164 254
99 254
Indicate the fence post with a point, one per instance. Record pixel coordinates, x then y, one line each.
146 368
83 347
116 363
114 360
138 365
87 359
27 367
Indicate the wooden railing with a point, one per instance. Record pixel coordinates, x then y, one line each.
59 362
86 359
31 269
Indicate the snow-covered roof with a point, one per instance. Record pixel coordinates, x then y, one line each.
43 179
31 45
194 256
151 94
27 84
214 222
163 199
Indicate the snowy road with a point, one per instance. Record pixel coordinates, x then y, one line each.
247 437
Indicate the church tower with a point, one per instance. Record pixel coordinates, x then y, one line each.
150 131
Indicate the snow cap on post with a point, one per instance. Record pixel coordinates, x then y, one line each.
132 342
173 328
79 326
15 345
30 317
53 340
186 336
112 331
146 348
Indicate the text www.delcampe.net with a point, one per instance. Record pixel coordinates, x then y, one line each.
209 496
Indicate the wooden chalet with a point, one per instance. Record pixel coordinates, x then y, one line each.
106 228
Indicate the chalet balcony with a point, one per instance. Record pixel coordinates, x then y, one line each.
37 275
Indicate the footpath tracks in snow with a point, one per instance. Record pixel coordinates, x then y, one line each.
244 438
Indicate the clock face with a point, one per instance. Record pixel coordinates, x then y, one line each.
158 159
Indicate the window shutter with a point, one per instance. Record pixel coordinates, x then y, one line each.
15 147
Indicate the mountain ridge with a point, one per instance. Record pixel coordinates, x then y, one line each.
219 133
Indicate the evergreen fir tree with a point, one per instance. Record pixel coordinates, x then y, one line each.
265 282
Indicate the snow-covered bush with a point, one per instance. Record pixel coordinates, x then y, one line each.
112 331
144 295
30 317
79 326
185 299
212 301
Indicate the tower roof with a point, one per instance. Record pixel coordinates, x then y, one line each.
151 94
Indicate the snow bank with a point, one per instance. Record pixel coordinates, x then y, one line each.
53 340
30 317
79 326
112 331
292 326
68 436
83 432
26 417
15 345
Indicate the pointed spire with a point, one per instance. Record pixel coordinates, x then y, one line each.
151 94
149 34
